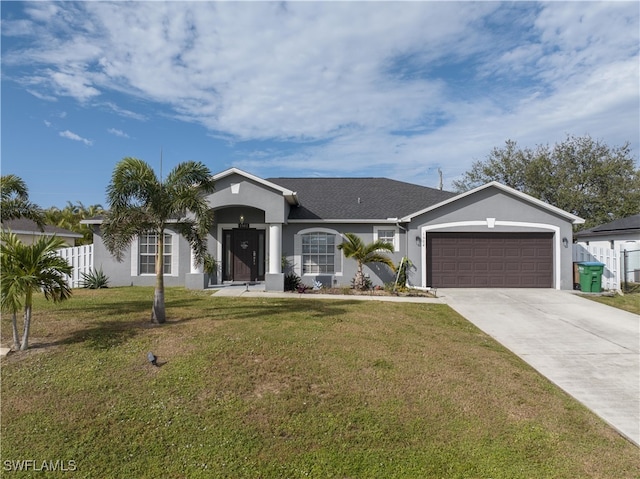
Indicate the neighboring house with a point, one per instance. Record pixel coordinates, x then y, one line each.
620 236
28 231
492 236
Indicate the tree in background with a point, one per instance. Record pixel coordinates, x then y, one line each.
363 253
27 270
15 201
580 175
70 217
141 203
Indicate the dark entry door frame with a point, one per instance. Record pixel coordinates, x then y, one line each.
243 253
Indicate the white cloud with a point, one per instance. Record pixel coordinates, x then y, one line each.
385 85
42 96
117 132
73 136
124 112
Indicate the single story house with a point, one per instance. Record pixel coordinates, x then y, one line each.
28 231
621 235
490 237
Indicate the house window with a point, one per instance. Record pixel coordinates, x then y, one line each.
388 235
147 247
318 253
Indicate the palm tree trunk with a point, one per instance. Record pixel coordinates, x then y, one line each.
158 313
359 279
27 326
14 326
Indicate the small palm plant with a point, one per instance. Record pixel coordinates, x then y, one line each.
363 253
95 279
27 270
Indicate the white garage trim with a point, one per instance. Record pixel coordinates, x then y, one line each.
490 223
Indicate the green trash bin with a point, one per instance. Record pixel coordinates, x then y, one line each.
590 276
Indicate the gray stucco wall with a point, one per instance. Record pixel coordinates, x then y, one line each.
497 204
378 273
247 193
119 273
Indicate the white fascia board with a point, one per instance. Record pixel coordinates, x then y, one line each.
92 221
99 221
69 234
391 221
576 220
290 196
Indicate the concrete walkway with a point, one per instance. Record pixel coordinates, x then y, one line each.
257 291
590 350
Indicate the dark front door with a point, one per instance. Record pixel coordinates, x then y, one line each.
244 251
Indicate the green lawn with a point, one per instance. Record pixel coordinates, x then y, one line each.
628 302
287 388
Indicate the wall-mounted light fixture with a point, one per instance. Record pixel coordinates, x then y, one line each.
418 241
565 242
241 223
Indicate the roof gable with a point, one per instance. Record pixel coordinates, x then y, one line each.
511 191
290 195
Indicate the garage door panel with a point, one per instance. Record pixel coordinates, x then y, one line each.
497 267
490 260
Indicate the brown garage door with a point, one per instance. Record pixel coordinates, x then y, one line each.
490 260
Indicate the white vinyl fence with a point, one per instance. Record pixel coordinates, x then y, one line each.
81 259
610 258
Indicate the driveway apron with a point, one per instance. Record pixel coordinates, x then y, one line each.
586 348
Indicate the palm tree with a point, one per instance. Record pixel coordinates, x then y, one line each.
27 269
70 217
355 248
140 203
14 197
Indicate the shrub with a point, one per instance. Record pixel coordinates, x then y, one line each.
211 265
291 282
95 279
366 285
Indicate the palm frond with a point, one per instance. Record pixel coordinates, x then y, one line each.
133 183
120 227
12 186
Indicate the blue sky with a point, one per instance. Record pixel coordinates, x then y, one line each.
394 89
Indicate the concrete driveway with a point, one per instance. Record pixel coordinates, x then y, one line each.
588 349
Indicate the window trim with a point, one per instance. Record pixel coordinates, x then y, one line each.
135 256
396 235
297 256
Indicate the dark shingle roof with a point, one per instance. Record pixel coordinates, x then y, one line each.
630 224
26 226
358 198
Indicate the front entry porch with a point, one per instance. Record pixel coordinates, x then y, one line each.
243 253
